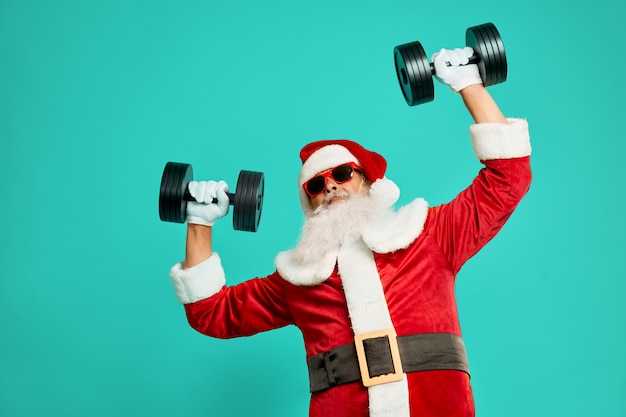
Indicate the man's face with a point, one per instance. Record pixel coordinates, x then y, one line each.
355 184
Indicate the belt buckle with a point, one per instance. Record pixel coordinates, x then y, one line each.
368 381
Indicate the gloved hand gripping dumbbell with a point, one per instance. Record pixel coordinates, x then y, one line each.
181 198
484 48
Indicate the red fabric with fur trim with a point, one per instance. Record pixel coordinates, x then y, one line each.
419 288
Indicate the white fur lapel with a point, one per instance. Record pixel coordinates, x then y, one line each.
397 229
393 231
368 311
304 274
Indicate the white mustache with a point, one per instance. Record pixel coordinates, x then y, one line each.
335 194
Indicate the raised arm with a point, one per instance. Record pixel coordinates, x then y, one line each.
201 215
481 105
503 145
199 244
213 308
200 275
453 70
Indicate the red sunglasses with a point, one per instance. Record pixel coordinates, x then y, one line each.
340 174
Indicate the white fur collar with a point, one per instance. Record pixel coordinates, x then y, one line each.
390 232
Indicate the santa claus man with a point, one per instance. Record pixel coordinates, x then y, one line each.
370 287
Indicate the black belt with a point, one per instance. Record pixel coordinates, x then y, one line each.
383 357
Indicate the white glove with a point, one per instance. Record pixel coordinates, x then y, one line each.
203 210
451 68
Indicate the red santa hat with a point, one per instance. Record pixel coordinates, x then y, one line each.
326 154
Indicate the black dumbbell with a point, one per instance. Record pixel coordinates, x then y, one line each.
247 202
415 72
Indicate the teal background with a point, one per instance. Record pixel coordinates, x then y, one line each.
96 96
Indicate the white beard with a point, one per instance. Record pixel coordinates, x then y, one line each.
330 225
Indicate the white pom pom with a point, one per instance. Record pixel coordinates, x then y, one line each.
385 192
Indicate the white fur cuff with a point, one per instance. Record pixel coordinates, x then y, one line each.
199 282
500 141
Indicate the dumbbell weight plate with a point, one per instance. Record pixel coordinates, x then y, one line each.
164 199
500 64
255 203
171 204
175 194
414 73
186 177
247 206
404 72
176 177
258 208
420 75
422 65
408 74
248 202
486 42
239 220
474 39
489 57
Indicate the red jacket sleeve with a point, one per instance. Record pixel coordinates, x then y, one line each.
251 307
467 223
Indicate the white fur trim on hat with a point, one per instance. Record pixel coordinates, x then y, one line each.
325 158
501 141
199 282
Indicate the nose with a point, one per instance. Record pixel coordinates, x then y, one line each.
330 185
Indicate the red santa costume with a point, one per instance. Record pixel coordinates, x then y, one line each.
397 276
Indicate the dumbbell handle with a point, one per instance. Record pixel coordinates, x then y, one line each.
474 59
188 197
